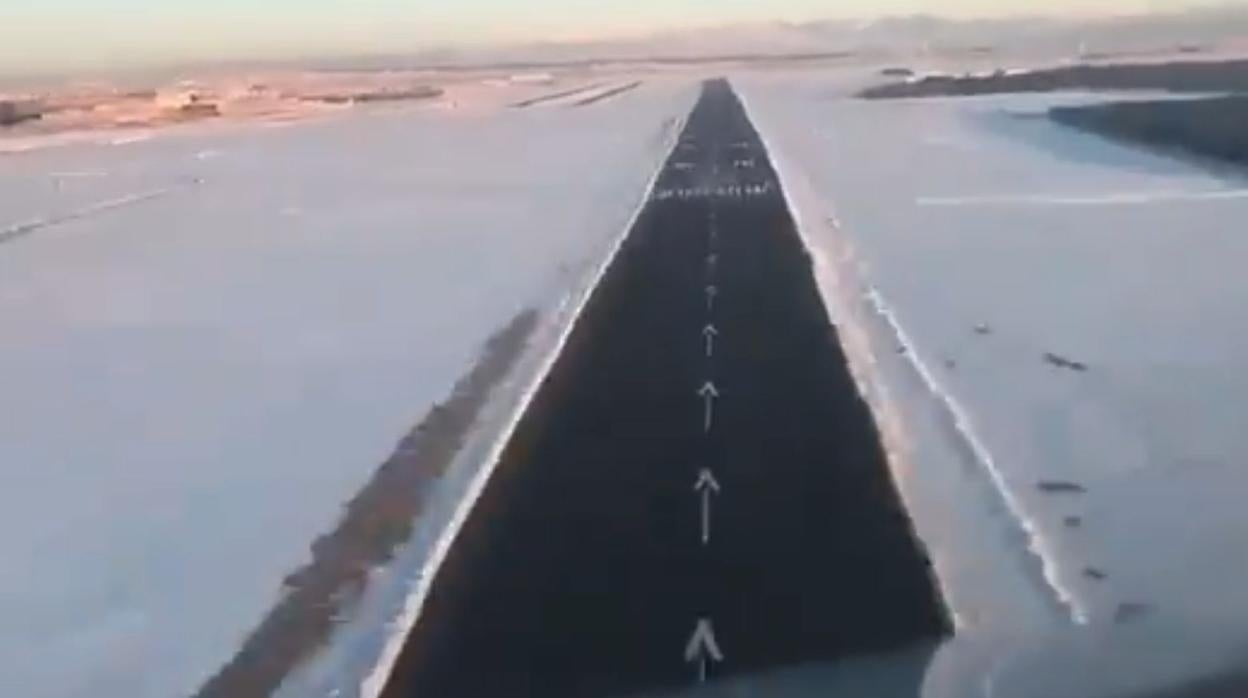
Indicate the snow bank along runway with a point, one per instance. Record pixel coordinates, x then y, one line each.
697 490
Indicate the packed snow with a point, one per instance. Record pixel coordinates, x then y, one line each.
211 338
1050 328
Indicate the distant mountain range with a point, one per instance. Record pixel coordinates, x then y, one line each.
1193 31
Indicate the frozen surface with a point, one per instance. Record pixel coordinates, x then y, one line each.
194 383
932 217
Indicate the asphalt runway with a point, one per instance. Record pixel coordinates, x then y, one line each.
697 490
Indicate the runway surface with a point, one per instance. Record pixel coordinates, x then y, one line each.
697 490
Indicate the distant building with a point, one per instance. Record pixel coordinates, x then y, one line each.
16 111
187 104
199 109
176 99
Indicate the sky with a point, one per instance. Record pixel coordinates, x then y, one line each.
44 35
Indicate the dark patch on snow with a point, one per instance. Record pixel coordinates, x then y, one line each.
608 94
1209 128
1131 610
376 522
897 72
1060 487
1063 362
554 95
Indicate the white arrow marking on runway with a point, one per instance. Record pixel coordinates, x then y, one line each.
711 292
709 332
702 647
711 260
708 393
706 486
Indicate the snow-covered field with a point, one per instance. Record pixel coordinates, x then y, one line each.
210 339
959 241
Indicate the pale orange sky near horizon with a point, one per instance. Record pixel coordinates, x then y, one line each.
37 35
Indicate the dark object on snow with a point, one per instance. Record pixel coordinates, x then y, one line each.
1130 610
1060 487
951 364
1063 362
983 329
897 73
1094 573
1073 521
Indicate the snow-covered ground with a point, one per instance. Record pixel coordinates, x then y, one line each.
217 335
210 338
958 242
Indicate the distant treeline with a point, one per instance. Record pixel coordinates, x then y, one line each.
1181 76
1209 127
